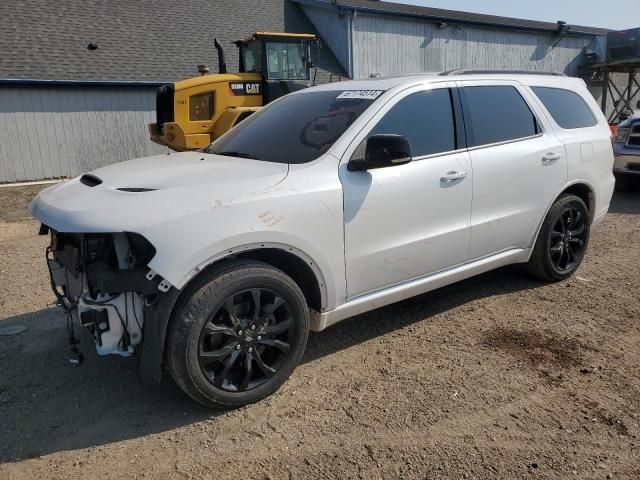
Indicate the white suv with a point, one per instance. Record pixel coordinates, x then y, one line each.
331 201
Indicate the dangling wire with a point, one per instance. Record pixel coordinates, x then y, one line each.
125 341
75 357
135 314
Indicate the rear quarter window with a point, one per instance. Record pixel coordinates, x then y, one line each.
568 109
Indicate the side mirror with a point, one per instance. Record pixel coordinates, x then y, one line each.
638 105
384 150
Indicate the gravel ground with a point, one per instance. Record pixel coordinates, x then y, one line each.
496 377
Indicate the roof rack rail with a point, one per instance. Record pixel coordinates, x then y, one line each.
465 71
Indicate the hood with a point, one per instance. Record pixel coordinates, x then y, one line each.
179 170
127 195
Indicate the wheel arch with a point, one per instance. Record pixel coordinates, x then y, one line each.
299 266
584 191
580 188
303 269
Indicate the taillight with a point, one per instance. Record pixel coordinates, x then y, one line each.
622 134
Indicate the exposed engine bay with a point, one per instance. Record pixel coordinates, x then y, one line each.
102 282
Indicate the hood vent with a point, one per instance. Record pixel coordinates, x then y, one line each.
136 189
90 180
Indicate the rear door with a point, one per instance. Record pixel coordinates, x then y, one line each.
519 165
574 115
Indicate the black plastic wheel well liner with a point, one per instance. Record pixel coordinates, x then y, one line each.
299 271
586 195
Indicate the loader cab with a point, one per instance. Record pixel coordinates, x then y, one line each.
282 59
192 113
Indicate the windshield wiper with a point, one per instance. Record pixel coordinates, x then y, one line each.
234 153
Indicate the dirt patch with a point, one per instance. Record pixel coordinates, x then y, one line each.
15 200
544 352
616 424
497 377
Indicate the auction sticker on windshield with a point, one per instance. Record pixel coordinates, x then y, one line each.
366 94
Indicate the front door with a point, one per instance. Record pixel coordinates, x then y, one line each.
408 221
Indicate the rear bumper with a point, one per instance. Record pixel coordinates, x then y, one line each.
626 173
603 198
626 164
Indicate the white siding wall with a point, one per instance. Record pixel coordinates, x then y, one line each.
50 132
393 46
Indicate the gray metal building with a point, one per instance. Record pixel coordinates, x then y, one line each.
65 108
370 37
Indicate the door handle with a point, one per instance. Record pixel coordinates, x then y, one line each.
551 157
451 177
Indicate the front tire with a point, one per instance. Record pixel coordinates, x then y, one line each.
238 334
562 241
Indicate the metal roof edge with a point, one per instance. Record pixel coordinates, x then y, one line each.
322 4
82 83
592 32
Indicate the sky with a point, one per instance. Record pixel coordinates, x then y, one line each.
616 14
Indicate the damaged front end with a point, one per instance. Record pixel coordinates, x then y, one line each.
102 282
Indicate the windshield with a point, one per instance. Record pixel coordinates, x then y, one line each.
286 61
297 128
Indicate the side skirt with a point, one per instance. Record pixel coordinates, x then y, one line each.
371 301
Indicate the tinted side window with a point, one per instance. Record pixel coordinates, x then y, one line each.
567 108
425 118
497 114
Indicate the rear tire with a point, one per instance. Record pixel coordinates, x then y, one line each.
237 335
562 241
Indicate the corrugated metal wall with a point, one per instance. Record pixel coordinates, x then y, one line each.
392 46
50 132
334 30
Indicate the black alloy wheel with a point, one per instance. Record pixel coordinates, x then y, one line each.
562 241
247 340
568 239
237 333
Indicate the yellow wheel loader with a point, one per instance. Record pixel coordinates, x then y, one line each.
192 113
